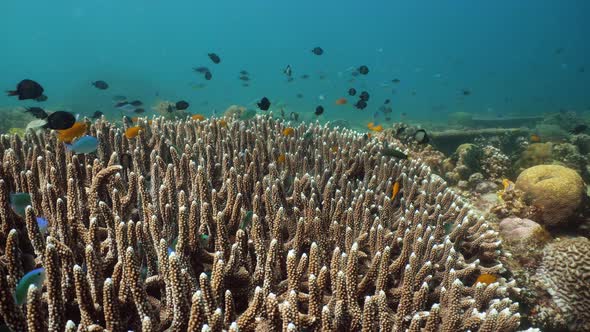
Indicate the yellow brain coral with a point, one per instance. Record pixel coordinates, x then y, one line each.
555 190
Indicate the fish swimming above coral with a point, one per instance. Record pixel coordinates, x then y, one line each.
27 89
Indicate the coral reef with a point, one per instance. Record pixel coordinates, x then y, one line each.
13 117
494 163
167 110
556 190
564 274
533 155
525 238
193 226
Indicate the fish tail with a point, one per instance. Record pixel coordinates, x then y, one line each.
11 92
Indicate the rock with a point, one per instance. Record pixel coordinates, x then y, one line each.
514 229
556 190
525 239
486 187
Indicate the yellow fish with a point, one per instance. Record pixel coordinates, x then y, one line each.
394 190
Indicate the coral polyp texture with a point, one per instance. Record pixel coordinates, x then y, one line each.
199 226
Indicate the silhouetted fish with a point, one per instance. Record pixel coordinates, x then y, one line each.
182 105
214 57
317 50
101 85
264 104
27 89
37 112
364 70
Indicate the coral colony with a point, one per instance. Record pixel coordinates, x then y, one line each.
195 226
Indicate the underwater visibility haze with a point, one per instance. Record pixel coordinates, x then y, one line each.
294 165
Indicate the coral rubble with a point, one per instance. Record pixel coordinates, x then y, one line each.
195 226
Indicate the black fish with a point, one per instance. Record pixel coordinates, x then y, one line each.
579 129
214 57
264 104
394 153
387 101
288 71
96 115
319 110
361 104
37 112
421 136
317 51
243 72
208 76
364 96
139 110
41 98
27 89
182 105
244 78
364 70
201 70
351 91
465 92
60 120
136 103
101 85
395 80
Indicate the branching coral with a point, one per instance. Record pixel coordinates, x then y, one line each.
164 242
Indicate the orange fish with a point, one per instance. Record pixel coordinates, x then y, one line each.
341 101
198 117
281 158
223 123
370 125
132 132
288 131
378 128
486 278
70 134
394 190
535 138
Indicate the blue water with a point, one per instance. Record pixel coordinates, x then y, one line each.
515 57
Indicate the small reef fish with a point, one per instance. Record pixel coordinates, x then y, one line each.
288 71
198 117
182 105
70 134
132 132
37 112
486 278
394 153
136 103
288 131
34 277
42 224
507 184
19 201
247 114
204 240
214 57
363 70
364 96
341 101
317 50
35 124
247 220
86 144
101 85
60 120
96 115
264 104
361 104
27 89
373 127
319 110
127 107
351 91
394 190
281 158
421 136
222 123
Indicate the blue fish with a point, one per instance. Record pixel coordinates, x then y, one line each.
85 144
19 201
42 223
34 277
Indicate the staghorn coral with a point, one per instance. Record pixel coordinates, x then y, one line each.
326 248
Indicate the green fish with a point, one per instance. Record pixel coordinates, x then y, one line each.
394 153
204 240
34 277
247 114
19 201
448 228
247 220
